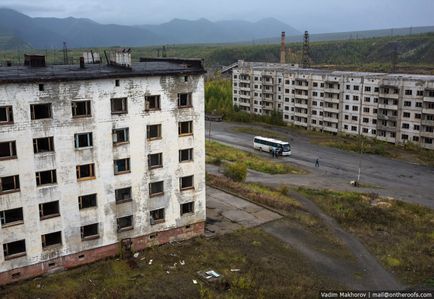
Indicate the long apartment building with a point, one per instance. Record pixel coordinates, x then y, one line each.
97 158
396 108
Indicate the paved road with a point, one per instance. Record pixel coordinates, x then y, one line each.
398 179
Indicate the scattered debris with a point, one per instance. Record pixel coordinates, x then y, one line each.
136 255
214 278
38 286
173 254
194 281
182 263
235 270
168 272
142 258
150 262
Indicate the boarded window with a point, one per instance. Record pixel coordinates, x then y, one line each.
43 145
123 195
155 160
40 111
187 208
87 201
125 223
152 103
46 177
157 216
119 106
6 115
156 188
52 239
184 100
11 217
186 182
8 150
120 136
49 210
186 155
83 140
89 232
121 166
185 128
81 109
10 184
14 249
86 171
153 132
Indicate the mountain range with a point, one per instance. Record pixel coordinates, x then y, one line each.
18 30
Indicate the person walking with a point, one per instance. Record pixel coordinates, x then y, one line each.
317 162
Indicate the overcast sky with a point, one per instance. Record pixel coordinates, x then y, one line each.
314 15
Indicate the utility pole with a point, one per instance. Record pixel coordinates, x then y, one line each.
65 53
394 57
306 51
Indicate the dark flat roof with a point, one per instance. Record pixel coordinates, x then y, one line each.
149 67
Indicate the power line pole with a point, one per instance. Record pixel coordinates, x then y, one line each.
65 53
306 51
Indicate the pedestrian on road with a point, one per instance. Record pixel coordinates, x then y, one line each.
273 152
317 162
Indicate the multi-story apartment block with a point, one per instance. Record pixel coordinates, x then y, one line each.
396 108
98 158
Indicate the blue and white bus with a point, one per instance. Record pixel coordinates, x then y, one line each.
268 144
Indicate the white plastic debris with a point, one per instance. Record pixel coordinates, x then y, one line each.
182 263
194 281
150 262
136 255
235 270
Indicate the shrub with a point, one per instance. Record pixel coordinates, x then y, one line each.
236 171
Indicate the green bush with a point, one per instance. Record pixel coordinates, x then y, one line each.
236 171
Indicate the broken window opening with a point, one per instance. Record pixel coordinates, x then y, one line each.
117 83
89 232
81 109
43 145
120 136
10 184
49 210
186 155
122 166
46 177
51 239
153 132
155 160
119 106
85 172
6 115
8 150
11 217
87 201
41 87
186 182
152 103
125 223
187 208
40 111
184 100
156 188
185 128
123 195
14 249
83 140
157 216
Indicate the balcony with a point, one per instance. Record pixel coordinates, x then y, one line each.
331 119
427 134
428 110
388 106
301 96
331 109
386 128
428 99
394 96
300 114
300 105
426 122
331 100
332 90
386 117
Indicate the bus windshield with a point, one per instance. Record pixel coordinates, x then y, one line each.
286 148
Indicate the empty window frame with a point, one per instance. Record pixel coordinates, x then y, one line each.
120 136
153 132
51 239
82 140
155 160
186 155
185 128
184 100
152 103
81 109
6 115
89 232
10 184
119 105
123 195
186 182
86 171
40 111
11 217
121 166
156 216
87 201
187 208
156 188
125 223
49 210
14 249
43 145
8 150
46 177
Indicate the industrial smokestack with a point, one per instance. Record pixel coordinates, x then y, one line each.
282 48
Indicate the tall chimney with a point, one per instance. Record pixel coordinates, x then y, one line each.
282 48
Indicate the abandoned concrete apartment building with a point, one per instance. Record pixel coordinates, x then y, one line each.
395 108
95 157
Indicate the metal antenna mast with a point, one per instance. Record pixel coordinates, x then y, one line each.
306 51
65 53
